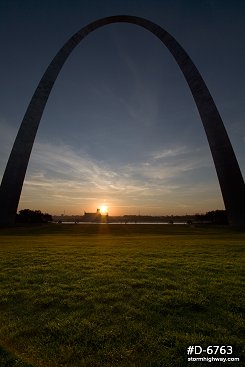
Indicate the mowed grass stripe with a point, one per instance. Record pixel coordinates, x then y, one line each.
120 295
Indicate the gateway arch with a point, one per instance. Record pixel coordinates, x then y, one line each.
227 168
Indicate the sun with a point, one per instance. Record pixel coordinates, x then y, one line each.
104 209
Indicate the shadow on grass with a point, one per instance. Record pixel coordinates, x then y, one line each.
9 360
116 229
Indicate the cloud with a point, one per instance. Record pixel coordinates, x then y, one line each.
59 176
172 152
141 102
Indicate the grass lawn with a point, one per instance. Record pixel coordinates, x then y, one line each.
119 295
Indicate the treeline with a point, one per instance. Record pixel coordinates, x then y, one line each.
151 218
212 217
33 216
215 217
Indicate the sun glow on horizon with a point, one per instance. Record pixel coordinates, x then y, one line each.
103 209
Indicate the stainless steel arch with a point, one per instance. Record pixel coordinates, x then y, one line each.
227 168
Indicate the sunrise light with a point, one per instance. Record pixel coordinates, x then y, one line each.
104 209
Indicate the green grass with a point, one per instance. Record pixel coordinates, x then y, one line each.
119 295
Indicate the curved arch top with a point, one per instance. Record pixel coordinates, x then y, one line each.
227 168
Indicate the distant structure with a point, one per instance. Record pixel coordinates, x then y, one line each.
227 168
92 217
95 217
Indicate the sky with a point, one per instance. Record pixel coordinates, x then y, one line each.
121 127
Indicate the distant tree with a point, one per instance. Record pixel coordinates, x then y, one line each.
214 216
200 218
33 216
217 217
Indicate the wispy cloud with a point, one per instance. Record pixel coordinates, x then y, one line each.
61 176
141 103
171 152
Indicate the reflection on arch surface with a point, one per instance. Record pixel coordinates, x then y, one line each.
227 168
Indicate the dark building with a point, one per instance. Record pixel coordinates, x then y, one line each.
92 217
